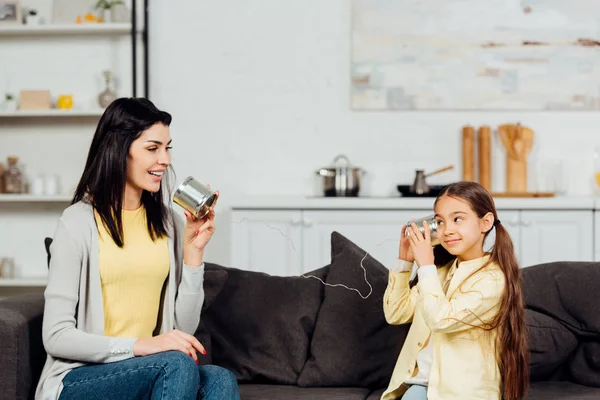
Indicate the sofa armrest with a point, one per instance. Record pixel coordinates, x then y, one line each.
23 353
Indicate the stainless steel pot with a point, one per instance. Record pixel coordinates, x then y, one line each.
341 179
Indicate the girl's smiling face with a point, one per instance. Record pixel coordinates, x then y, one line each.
460 230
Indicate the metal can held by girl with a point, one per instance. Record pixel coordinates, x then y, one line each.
194 197
432 227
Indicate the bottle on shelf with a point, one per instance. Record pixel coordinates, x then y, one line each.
13 178
1 178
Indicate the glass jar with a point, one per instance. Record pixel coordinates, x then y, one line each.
13 178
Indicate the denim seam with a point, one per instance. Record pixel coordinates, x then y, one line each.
112 375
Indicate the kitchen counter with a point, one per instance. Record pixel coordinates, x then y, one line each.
401 203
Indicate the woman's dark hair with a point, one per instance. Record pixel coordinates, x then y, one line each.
512 344
102 183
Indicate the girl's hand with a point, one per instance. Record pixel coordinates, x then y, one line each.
404 251
420 244
197 233
174 340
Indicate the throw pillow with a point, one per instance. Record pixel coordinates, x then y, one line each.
353 345
550 345
565 291
260 325
585 363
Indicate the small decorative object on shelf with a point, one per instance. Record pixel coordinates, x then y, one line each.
64 102
10 12
1 178
7 268
108 95
32 18
106 8
10 102
13 178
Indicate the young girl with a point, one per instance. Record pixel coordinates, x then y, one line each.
468 337
125 285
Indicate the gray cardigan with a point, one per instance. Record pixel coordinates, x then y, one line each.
73 325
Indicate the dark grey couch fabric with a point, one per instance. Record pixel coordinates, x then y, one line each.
353 345
568 293
274 392
261 326
561 391
561 299
23 354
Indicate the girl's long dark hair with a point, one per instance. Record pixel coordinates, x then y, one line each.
102 183
512 346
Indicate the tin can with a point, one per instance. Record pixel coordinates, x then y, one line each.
432 227
194 197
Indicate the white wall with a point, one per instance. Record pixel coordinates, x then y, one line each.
260 96
259 91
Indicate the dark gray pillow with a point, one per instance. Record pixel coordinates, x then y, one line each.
550 345
585 364
260 325
353 345
566 291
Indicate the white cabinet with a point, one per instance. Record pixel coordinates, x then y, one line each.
267 241
290 242
376 232
556 236
294 241
542 236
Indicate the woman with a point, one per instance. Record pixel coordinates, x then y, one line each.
125 291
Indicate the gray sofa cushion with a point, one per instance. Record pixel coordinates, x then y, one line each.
23 353
545 391
261 325
551 344
277 392
562 391
353 344
567 292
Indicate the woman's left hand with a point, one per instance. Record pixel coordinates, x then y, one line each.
420 244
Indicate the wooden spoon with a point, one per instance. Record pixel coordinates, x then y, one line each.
506 133
517 143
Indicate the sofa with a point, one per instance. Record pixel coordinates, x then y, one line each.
307 337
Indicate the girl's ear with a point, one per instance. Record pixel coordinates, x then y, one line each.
487 222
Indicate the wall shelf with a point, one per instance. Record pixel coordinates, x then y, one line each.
31 198
67 29
51 113
23 282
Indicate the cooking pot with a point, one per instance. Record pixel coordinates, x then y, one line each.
341 179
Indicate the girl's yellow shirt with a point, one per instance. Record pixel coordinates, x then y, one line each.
465 364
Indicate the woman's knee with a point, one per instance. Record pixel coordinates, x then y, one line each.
218 382
181 365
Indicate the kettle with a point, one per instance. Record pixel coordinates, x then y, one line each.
341 179
420 185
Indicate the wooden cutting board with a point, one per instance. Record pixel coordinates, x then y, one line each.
524 194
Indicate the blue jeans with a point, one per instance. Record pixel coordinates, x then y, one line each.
415 392
161 376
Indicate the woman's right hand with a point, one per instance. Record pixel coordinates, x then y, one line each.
404 251
174 340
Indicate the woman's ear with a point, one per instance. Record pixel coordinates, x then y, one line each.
487 222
